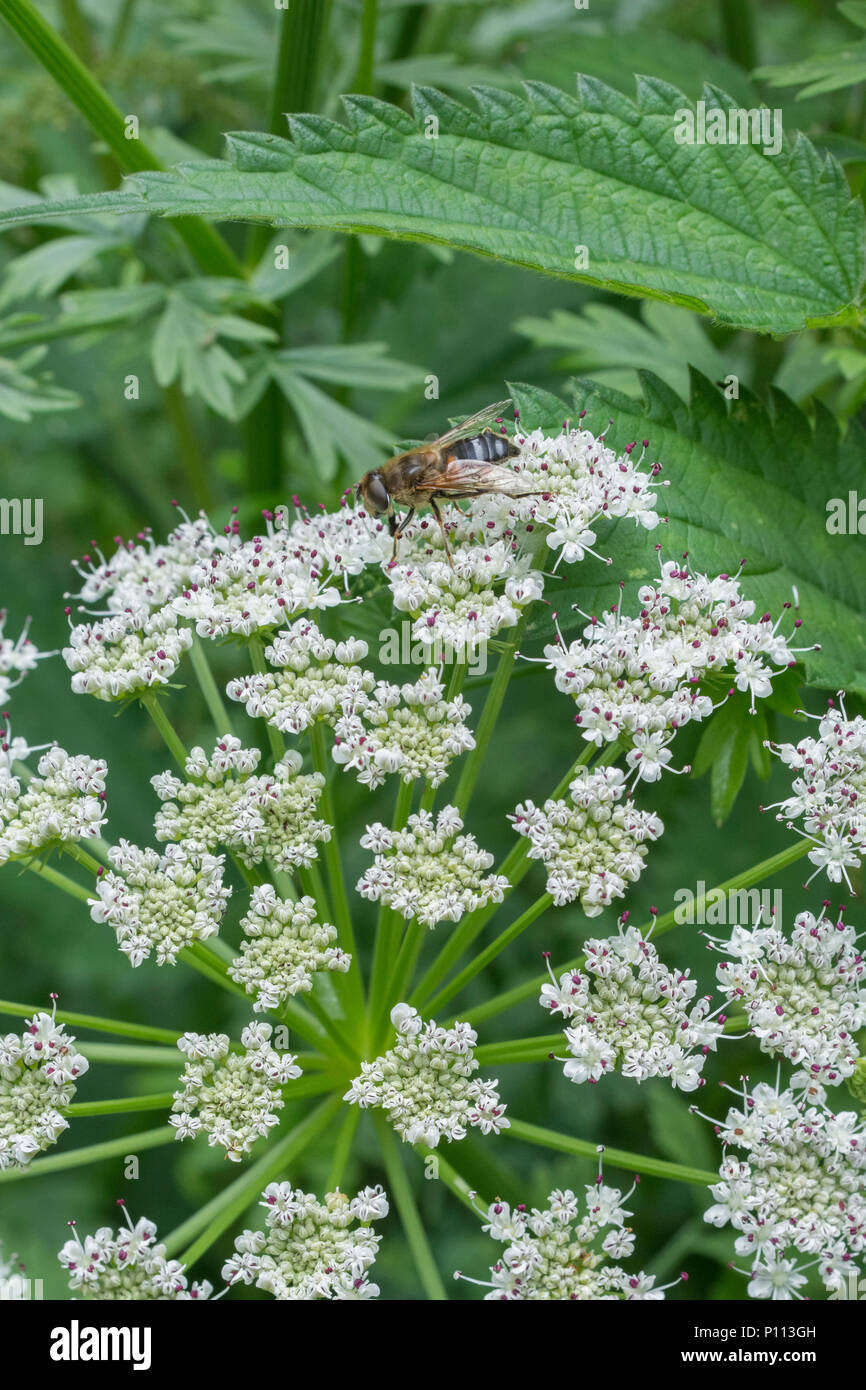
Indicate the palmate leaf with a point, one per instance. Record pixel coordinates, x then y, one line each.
744 484
770 243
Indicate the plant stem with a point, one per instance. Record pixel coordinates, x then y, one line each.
400 1189
101 1025
259 665
211 252
210 690
189 450
343 1148
738 32
129 1055
490 952
363 83
519 1050
618 1158
451 1178
75 890
514 867
336 882
489 716
389 922
124 1105
208 1223
164 725
747 879
92 1153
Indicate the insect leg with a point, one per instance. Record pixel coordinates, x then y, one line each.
397 529
438 515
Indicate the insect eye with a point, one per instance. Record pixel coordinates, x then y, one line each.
377 495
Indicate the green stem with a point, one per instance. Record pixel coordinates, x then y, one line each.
489 716
208 1223
758 872
519 1050
210 690
448 1174
514 867
407 958
343 1148
738 32
164 725
334 869
260 667
125 1104
129 1055
400 1189
481 961
81 856
363 83
99 1025
92 1153
75 890
617 1158
210 251
191 458
389 923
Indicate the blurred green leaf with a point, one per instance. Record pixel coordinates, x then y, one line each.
23 395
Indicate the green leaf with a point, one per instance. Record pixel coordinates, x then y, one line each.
23 395
728 771
40 273
745 482
770 243
613 346
824 72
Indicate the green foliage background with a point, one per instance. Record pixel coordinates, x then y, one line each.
258 411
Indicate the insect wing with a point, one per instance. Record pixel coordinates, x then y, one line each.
462 477
473 425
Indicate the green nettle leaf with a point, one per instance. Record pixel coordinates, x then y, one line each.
746 483
767 242
23 395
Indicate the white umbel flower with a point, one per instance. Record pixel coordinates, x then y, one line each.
592 847
142 574
640 679
39 1070
627 1011
63 804
256 815
127 655
410 730
127 1263
460 606
285 947
311 1249
798 1191
565 1251
18 658
804 996
312 678
232 1097
160 902
424 1083
429 871
829 792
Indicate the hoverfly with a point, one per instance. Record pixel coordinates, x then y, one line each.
460 464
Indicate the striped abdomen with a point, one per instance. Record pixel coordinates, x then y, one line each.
484 448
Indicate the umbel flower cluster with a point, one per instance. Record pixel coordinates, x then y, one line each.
232 1097
627 1011
64 803
429 871
256 815
242 815
126 1264
829 792
566 1251
592 847
642 678
160 902
800 1190
311 1249
285 948
424 1083
804 997
39 1070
